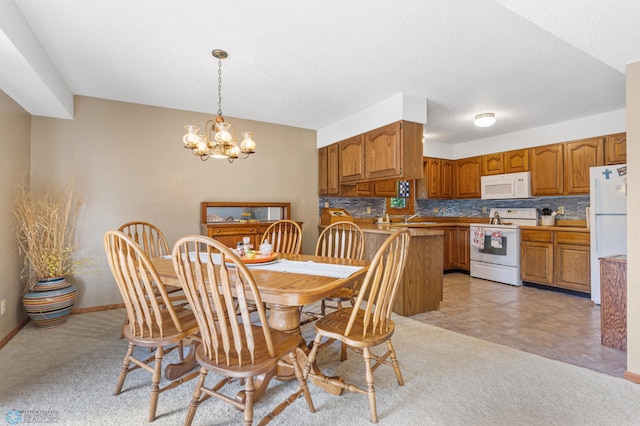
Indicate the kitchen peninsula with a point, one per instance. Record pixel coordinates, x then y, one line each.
420 288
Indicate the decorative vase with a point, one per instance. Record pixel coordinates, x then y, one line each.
50 301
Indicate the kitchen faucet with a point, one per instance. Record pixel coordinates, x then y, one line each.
408 218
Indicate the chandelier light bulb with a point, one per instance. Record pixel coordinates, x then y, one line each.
248 145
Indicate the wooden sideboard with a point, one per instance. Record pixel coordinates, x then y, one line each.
613 301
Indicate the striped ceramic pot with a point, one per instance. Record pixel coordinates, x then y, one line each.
50 301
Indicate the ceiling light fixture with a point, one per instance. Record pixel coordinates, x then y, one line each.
219 140
485 120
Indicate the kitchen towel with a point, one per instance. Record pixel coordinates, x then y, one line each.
496 239
478 237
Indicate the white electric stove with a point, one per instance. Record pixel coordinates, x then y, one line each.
495 248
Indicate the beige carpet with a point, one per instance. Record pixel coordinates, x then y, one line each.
68 375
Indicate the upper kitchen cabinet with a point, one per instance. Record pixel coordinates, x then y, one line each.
546 170
467 173
616 149
437 179
505 162
493 164
393 151
351 159
516 161
579 157
328 179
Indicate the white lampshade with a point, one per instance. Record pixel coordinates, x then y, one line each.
485 120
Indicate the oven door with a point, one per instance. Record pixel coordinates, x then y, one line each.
495 244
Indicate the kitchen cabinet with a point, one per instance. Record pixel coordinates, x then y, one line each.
579 157
493 164
572 261
364 189
455 247
536 256
385 188
505 162
328 179
382 188
437 179
556 258
351 159
616 149
393 151
467 173
547 164
516 161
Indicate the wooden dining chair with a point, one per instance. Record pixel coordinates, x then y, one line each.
363 329
344 240
154 244
153 321
285 236
235 343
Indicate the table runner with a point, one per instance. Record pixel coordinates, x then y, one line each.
295 267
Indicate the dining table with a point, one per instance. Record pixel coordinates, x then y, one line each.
285 285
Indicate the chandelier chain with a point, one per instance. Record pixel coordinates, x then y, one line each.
220 87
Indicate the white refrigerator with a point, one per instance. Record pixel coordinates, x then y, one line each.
607 218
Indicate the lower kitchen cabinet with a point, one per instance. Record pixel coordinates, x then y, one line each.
455 247
573 267
556 258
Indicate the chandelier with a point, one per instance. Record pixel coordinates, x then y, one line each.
219 139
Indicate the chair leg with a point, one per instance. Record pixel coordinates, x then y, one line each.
303 383
343 351
249 393
312 356
155 383
371 390
195 400
395 363
125 369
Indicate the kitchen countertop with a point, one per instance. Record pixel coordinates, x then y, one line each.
557 228
563 225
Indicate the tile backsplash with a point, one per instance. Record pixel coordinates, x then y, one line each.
574 206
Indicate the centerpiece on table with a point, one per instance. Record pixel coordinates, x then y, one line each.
46 219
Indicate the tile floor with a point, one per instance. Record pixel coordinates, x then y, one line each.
544 322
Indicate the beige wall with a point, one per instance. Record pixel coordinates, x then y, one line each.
131 165
15 134
633 212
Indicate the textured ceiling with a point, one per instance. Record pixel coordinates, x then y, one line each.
310 64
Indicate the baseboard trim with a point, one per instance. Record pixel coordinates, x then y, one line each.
97 308
13 332
633 377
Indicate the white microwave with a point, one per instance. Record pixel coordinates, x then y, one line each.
510 185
